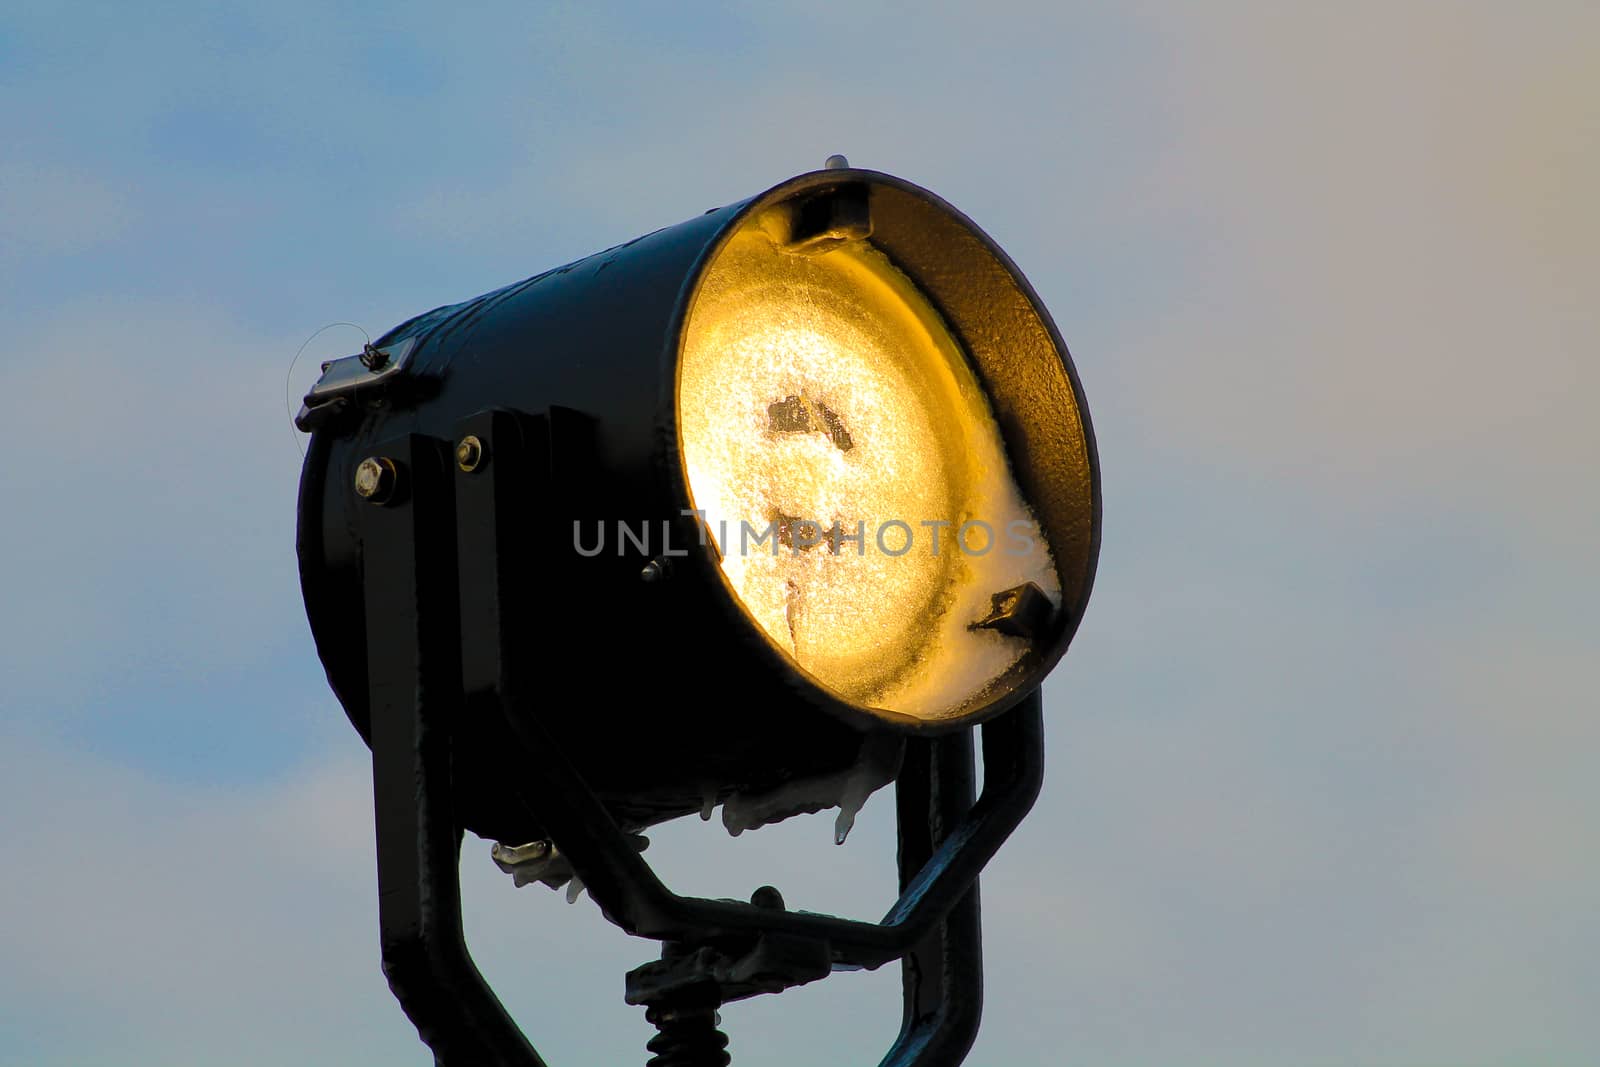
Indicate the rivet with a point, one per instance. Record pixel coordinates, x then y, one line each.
767 897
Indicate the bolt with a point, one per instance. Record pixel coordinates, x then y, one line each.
653 571
470 453
376 477
515 854
835 162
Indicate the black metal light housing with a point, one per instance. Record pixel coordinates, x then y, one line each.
464 465
589 355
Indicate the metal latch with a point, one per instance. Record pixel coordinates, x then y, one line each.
370 370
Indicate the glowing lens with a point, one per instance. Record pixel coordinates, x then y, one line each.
851 473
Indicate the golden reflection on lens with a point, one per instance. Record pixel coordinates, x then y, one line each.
822 402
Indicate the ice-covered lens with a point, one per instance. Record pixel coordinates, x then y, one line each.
849 467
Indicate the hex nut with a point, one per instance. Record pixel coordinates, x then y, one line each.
376 478
470 453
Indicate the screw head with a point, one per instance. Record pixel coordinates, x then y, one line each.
470 453
376 477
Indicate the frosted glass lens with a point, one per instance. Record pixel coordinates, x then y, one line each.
850 471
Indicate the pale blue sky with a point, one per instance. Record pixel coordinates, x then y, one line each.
1322 783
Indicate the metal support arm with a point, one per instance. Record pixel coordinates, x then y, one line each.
415 627
414 679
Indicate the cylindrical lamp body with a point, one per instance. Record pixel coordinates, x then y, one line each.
663 692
